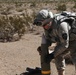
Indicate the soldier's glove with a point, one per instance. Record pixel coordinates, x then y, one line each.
49 57
39 50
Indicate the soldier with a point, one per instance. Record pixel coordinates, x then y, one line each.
57 29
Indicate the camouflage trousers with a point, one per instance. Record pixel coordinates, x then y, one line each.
60 60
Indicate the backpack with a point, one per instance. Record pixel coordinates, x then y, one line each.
69 18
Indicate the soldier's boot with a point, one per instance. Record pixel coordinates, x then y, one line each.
61 72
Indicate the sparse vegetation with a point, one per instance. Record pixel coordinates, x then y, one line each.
74 5
33 4
10 26
18 17
61 7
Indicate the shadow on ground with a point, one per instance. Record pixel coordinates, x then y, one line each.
31 71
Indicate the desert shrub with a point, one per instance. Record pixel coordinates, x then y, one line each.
33 4
74 5
74 0
5 28
19 10
29 20
33 15
11 25
61 7
19 24
17 4
15 24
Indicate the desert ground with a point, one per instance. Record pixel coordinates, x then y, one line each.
16 57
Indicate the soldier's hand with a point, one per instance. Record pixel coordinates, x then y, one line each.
39 50
49 57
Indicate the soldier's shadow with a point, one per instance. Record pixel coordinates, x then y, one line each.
31 71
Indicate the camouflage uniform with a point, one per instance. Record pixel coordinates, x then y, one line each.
60 35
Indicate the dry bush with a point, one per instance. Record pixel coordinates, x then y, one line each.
23 15
11 25
15 22
74 7
33 4
61 7
19 24
5 28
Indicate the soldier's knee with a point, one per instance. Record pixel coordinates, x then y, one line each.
61 72
61 68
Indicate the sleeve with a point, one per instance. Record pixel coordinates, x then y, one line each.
65 33
64 42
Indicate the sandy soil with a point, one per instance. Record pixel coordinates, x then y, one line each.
15 57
